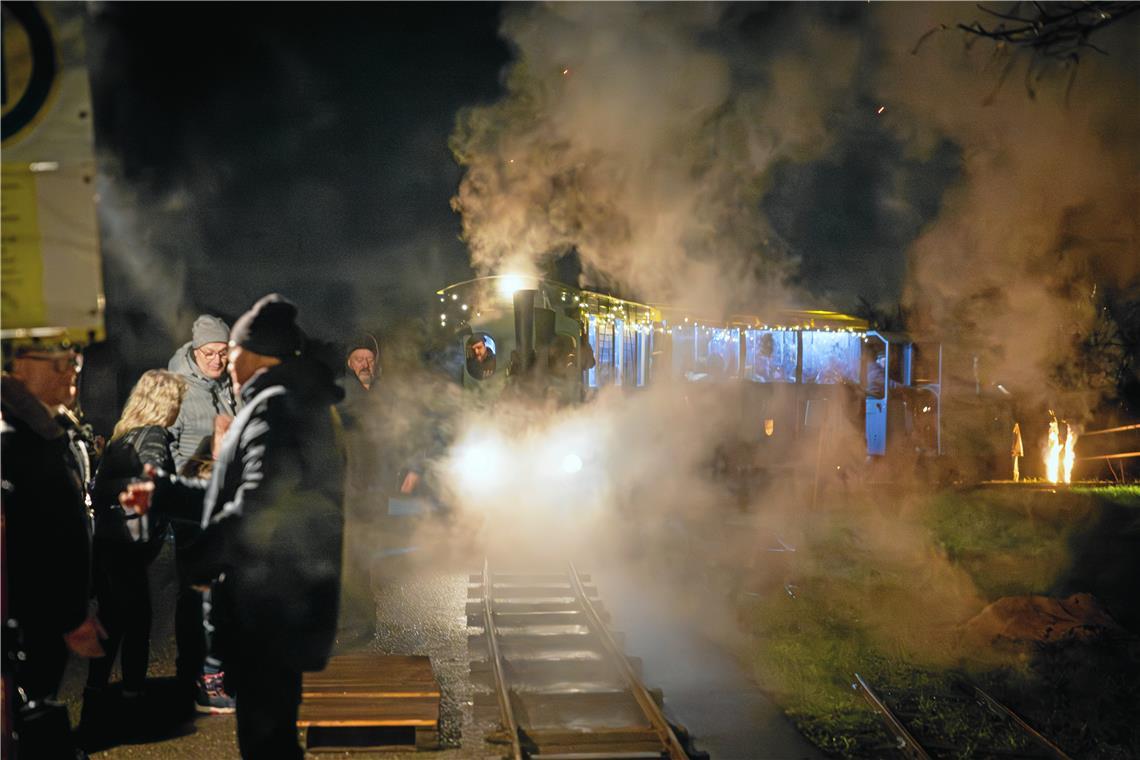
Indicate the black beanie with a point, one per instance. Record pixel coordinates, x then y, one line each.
269 328
364 340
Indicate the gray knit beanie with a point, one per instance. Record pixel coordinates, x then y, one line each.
209 329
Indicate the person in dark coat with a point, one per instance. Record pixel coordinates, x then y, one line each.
126 544
272 525
47 552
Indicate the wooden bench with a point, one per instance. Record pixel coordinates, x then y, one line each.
370 702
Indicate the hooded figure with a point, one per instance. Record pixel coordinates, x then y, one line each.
272 524
202 361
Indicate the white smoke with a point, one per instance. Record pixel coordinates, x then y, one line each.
641 135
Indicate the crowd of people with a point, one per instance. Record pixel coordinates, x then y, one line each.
236 454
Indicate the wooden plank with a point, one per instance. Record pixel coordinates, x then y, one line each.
369 712
371 675
365 702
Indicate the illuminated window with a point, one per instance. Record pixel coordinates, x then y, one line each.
592 374
605 353
770 356
619 350
831 357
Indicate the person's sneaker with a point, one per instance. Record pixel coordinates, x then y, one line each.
211 698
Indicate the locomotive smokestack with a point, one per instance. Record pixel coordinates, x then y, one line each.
524 328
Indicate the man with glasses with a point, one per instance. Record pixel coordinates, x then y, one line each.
202 361
206 410
47 549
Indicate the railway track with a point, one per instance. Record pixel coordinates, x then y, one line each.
563 687
917 737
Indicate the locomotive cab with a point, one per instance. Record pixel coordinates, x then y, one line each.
528 334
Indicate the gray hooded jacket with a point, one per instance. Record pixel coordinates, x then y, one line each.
205 399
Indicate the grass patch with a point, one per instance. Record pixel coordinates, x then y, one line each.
1010 543
1124 495
881 591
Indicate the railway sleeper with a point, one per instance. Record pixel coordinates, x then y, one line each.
525 579
516 619
522 606
589 711
583 646
486 697
595 743
508 590
554 671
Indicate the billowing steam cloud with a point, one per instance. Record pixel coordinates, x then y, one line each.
1043 223
134 235
640 135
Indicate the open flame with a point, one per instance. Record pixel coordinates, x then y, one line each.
1059 457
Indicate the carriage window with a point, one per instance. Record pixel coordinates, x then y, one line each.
626 354
604 349
480 352
684 350
602 341
722 351
643 348
771 356
831 357
619 351
715 354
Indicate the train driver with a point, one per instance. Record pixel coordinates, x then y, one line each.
480 357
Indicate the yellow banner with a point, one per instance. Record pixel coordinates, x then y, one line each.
51 273
21 265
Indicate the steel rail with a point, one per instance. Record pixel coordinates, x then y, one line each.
907 743
1120 429
506 712
1122 455
656 718
1031 732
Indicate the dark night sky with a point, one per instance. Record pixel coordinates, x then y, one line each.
288 146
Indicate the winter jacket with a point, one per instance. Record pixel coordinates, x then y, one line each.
205 399
123 461
46 527
272 519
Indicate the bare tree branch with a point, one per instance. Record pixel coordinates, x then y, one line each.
1057 29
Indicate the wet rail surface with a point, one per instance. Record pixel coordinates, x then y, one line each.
544 657
918 739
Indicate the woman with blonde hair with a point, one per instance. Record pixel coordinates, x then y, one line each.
125 544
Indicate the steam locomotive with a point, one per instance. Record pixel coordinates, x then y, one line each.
794 375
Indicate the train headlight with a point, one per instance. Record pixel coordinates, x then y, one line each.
480 465
509 283
571 464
